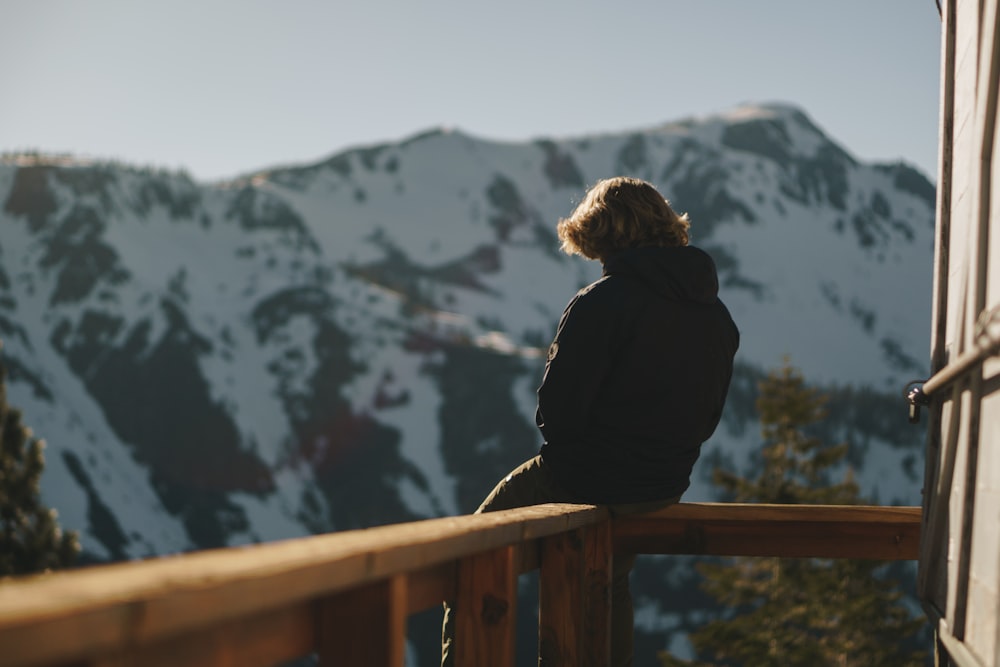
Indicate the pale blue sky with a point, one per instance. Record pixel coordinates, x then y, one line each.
222 87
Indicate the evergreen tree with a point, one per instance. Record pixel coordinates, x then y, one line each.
30 537
800 612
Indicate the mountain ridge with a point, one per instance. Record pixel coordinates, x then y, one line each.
357 341
30 157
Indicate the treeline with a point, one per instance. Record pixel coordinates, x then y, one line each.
801 612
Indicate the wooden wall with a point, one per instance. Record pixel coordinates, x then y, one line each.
960 554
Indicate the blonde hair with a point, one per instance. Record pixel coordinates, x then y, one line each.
620 213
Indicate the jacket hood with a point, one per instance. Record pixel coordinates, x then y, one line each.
684 273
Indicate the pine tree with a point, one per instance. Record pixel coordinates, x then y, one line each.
30 537
800 612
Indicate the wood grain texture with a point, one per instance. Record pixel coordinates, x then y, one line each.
98 610
795 531
486 610
262 640
209 603
560 601
365 626
597 561
431 586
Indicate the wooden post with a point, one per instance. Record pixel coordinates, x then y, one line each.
560 601
485 610
365 626
597 562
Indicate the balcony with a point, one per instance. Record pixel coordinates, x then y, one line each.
346 596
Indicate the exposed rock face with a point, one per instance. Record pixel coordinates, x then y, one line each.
358 341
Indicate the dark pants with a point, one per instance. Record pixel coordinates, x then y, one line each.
531 483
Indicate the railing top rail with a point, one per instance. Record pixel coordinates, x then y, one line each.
796 531
92 610
123 603
771 513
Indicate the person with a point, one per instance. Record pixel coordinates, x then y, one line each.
636 376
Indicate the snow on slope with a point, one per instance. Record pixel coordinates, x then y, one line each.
358 341
806 254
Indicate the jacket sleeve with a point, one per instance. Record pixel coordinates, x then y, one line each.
578 361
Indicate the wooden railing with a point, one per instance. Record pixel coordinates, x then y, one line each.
346 596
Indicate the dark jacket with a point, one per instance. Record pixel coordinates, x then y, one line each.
637 377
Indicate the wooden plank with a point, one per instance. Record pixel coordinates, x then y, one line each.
102 610
798 531
262 640
598 548
430 587
560 601
67 615
773 513
528 556
959 652
485 610
365 626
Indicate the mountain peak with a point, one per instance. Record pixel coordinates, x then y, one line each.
771 110
774 130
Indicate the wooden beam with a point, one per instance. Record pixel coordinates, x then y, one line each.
485 610
262 640
67 615
560 601
797 531
597 562
204 598
574 619
528 556
365 626
430 587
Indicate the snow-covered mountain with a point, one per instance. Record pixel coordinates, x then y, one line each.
358 341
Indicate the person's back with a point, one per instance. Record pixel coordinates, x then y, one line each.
636 376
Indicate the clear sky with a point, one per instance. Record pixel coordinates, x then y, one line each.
223 87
